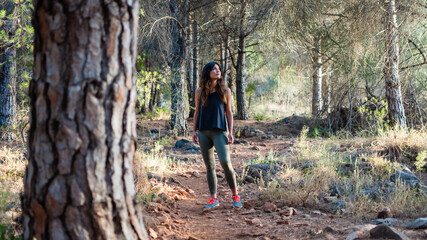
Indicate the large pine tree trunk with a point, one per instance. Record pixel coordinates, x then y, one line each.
316 102
242 112
78 183
178 120
7 69
396 111
195 58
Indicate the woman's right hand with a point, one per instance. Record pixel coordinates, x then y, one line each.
195 138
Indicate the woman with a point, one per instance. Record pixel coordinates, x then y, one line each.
213 117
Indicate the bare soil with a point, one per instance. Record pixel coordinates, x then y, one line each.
183 217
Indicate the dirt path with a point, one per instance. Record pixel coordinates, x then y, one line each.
188 221
183 216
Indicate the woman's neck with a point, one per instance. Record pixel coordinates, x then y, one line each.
212 86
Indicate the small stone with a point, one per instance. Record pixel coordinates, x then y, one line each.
153 233
385 221
269 207
247 205
419 223
383 231
385 213
329 230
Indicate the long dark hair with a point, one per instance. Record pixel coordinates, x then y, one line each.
205 81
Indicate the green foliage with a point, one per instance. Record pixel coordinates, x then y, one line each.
373 117
145 79
317 132
5 236
259 117
420 160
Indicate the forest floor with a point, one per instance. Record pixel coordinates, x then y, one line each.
175 201
178 212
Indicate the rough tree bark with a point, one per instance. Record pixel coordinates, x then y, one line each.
242 112
178 120
7 69
316 102
78 183
393 94
195 58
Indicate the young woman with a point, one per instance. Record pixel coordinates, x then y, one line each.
212 118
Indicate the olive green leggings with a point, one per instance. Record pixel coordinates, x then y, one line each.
218 138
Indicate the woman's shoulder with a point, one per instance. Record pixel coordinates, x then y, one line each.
227 90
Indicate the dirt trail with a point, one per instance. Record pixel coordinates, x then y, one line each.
185 218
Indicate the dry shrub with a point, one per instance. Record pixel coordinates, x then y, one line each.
403 203
12 168
302 189
153 162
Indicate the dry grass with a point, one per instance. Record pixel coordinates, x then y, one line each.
154 162
12 168
305 187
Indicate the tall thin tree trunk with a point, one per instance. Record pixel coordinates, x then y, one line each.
326 90
316 102
78 183
195 59
178 121
189 64
396 111
226 60
242 113
7 70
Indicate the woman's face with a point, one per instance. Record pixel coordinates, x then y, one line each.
215 73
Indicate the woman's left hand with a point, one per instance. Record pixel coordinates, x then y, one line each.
230 138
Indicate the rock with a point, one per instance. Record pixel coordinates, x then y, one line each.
405 176
269 207
385 221
330 199
358 232
152 233
262 170
192 151
385 213
329 230
335 191
240 141
149 222
154 131
255 221
248 179
383 231
289 211
338 206
255 148
181 143
376 193
419 223
192 238
153 176
193 147
247 205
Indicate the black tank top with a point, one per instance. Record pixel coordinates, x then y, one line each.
212 116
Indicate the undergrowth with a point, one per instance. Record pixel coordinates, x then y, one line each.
317 165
